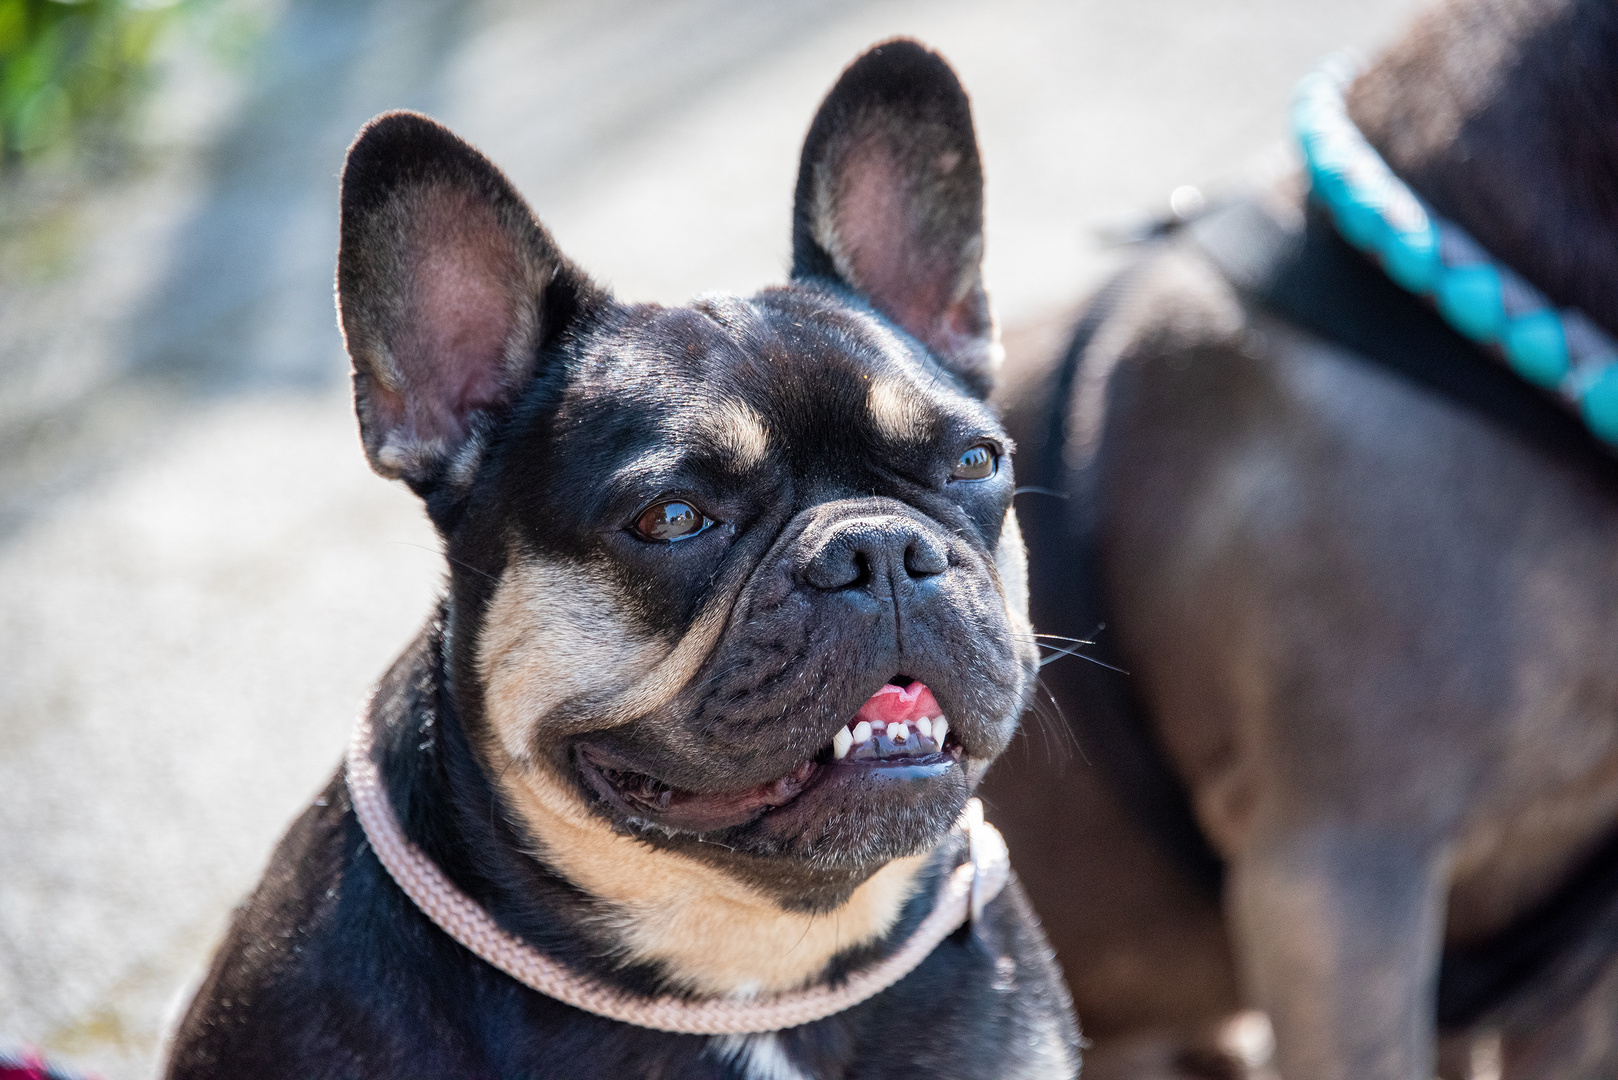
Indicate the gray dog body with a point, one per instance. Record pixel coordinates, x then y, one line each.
1372 626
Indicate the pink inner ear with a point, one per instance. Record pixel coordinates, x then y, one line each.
883 238
465 280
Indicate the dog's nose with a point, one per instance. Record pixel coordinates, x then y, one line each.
875 553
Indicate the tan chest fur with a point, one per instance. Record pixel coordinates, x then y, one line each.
712 933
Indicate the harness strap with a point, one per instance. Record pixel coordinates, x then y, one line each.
1560 350
1314 279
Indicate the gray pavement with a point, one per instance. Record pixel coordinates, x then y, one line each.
198 576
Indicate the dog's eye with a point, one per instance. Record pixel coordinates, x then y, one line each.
672 520
978 463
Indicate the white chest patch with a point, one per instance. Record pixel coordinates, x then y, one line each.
760 1057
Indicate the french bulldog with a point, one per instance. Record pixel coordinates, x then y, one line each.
1363 772
735 622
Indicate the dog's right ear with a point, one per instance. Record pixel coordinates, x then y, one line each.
447 289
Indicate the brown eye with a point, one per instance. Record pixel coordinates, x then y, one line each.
673 520
978 463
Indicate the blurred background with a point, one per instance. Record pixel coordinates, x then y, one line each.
198 576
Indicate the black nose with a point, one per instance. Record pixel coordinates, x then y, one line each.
876 553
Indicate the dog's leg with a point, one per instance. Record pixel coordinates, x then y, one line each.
1358 921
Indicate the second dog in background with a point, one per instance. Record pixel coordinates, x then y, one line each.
1364 768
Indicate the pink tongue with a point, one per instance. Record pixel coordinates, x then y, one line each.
894 704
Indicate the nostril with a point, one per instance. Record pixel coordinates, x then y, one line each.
839 566
924 558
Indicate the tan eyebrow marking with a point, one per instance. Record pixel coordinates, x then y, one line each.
737 429
897 411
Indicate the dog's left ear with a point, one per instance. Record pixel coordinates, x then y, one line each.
890 203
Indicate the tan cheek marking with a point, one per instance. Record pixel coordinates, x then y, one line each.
656 684
713 934
895 410
553 632
738 429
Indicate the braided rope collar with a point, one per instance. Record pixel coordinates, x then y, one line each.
1557 349
962 896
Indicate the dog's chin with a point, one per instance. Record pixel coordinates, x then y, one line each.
887 785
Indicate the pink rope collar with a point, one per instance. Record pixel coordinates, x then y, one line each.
962 896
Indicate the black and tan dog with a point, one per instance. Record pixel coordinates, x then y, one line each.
690 550
1365 583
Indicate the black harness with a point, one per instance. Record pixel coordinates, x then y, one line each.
1312 278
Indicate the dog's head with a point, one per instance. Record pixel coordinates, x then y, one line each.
694 549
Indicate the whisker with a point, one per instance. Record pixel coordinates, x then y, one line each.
500 779
1057 737
805 936
1040 491
1054 637
1073 650
458 562
1071 737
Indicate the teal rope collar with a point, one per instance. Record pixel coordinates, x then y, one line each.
1557 349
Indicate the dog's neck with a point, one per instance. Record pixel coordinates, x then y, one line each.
599 902
1504 115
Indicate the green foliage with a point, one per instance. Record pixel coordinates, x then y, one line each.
69 70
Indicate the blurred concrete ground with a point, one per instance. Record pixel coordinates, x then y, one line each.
198 576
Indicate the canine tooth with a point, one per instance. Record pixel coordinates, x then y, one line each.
924 727
897 731
840 742
940 729
862 732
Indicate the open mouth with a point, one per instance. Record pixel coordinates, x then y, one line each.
896 725
899 734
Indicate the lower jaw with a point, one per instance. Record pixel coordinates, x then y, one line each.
814 850
900 782
861 812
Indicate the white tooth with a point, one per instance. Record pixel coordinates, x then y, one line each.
940 729
862 732
925 727
898 732
840 742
